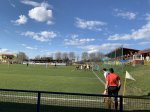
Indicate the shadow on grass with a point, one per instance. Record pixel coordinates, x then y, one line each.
17 107
20 107
72 109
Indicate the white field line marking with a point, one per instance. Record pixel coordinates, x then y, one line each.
50 98
74 77
99 78
66 76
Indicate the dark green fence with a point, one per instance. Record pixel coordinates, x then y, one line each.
42 101
136 103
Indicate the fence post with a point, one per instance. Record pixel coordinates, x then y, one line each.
121 103
38 101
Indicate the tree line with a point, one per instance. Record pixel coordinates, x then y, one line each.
64 56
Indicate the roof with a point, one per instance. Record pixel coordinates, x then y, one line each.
144 51
118 52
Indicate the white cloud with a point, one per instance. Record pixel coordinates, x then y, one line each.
147 16
144 43
91 25
77 41
41 36
41 14
90 48
5 51
32 48
22 20
23 44
36 4
29 47
125 15
32 3
105 46
50 22
46 5
13 5
142 33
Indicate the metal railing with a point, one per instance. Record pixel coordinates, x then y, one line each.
43 101
136 103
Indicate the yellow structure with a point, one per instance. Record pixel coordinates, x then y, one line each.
6 57
146 62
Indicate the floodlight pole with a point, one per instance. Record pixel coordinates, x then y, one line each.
122 59
115 56
0 52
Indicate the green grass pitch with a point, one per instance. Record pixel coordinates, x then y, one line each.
67 79
38 77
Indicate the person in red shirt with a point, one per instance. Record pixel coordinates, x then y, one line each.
113 85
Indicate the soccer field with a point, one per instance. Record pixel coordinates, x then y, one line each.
60 79
67 79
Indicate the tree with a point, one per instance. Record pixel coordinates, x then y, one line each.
92 56
21 56
65 57
97 56
77 58
72 56
46 59
58 55
85 56
38 57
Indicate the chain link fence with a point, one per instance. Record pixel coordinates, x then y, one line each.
138 104
42 101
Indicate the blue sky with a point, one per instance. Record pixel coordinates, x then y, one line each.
43 27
